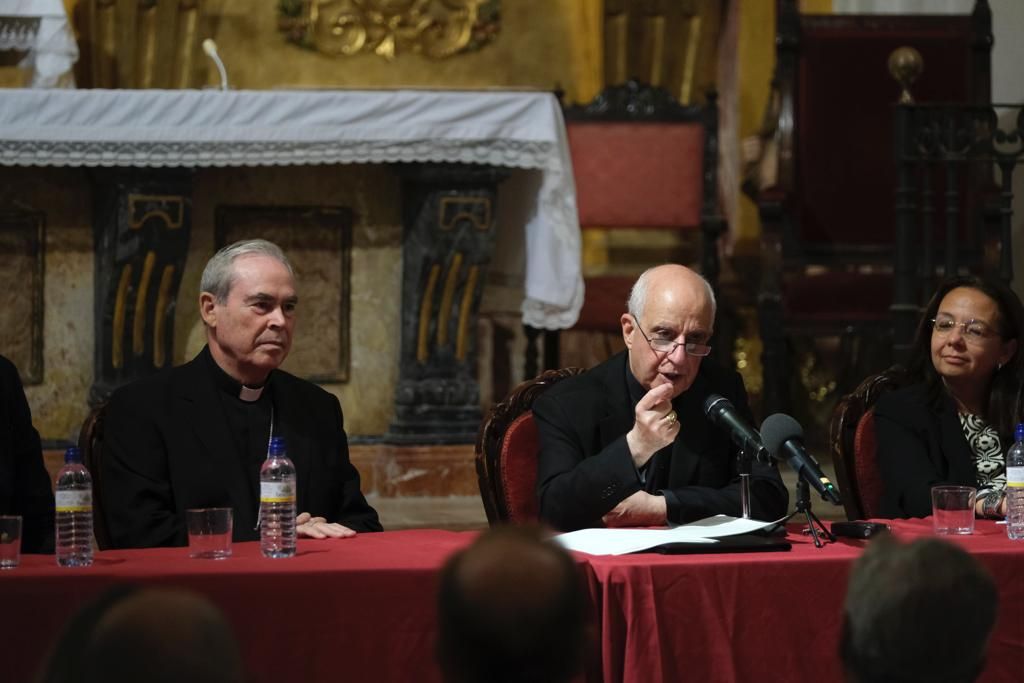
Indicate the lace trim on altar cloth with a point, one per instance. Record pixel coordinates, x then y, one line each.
18 33
506 153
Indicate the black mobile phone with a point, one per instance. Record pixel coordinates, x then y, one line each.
858 529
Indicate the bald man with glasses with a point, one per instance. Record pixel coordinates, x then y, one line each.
627 443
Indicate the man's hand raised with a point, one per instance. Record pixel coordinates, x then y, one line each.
656 424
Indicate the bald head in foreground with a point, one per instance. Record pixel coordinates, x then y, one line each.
920 612
157 635
511 608
627 443
163 636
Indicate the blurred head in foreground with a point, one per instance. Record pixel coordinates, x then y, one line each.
158 635
921 611
511 608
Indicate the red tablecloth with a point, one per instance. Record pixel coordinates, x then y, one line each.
767 616
358 609
363 609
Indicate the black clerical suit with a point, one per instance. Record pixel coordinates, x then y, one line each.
24 483
585 468
184 439
919 446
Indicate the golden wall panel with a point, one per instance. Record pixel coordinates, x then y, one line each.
318 242
22 235
372 194
59 403
139 43
668 43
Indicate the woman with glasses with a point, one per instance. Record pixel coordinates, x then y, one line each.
956 422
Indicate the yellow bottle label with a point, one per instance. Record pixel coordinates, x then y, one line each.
73 501
277 492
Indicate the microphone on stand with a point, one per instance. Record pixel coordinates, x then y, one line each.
784 438
723 413
210 48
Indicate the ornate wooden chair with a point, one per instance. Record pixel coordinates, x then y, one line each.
827 199
506 452
855 447
642 162
90 443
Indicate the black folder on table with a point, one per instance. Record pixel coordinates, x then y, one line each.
740 543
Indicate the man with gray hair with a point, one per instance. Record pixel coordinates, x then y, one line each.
196 435
627 443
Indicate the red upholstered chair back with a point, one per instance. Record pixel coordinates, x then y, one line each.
518 469
855 447
638 174
506 452
865 465
641 159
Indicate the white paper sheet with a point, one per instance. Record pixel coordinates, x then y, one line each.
623 541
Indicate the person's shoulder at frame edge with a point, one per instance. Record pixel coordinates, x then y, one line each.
8 370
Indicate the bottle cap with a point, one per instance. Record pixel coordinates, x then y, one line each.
1018 434
72 454
276 447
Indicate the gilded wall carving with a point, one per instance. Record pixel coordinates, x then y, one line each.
459 44
435 28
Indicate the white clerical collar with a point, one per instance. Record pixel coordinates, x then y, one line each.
250 394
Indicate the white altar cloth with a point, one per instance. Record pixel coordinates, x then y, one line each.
203 128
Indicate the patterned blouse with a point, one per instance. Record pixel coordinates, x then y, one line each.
989 459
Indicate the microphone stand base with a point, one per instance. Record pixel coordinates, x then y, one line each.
814 525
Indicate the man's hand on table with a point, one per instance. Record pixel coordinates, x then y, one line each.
318 527
639 509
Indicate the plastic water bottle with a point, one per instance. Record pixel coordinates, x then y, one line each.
74 512
277 502
1015 487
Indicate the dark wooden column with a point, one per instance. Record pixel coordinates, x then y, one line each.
449 223
141 224
905 308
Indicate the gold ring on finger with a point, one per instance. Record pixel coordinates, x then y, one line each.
671 416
